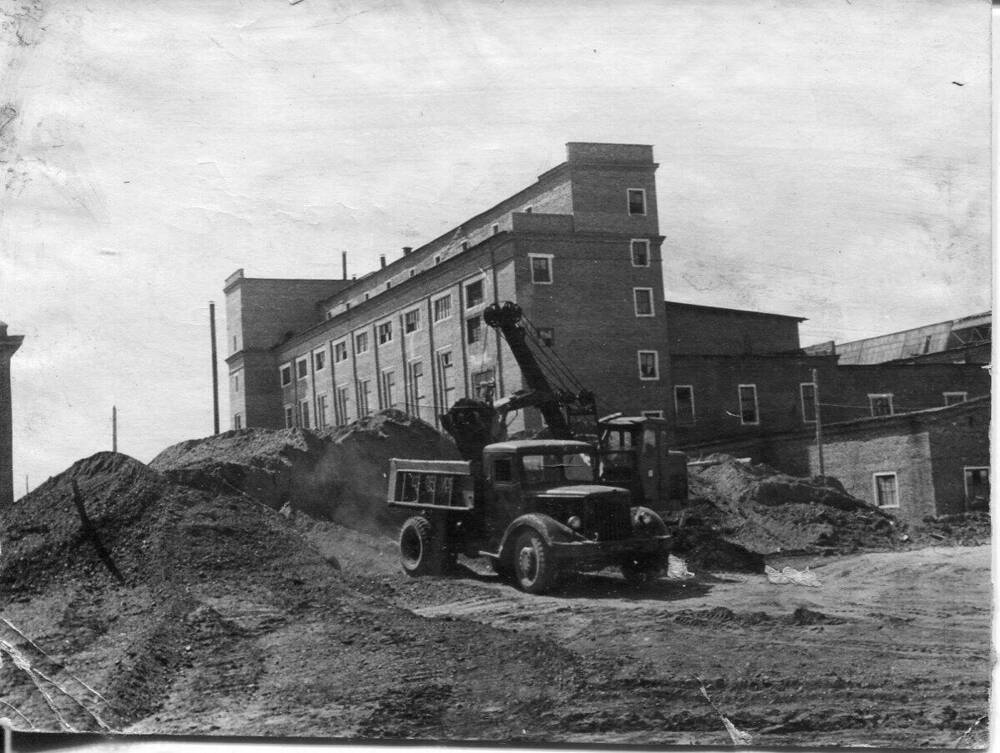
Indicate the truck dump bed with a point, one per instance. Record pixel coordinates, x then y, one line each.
431 484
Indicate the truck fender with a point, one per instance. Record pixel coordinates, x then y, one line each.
647 522
548 528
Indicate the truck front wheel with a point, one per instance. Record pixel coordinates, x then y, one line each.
641 570
417 552
535 570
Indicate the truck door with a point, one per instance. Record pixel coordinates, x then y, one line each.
504 498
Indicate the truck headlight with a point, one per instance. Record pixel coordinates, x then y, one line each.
575 523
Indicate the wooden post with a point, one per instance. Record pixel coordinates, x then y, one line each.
215 370
819 424
114 428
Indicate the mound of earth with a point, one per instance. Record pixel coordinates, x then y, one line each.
337 475
181 610
766 511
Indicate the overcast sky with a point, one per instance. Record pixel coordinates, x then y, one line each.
824 159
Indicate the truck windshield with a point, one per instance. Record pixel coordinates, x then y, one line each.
558 468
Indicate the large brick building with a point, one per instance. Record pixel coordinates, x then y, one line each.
579 250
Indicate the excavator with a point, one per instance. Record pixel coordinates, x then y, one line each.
633 450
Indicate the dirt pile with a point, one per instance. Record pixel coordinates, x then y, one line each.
766 511
963 529
222 618
337 475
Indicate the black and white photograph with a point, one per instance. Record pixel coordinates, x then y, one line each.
496 372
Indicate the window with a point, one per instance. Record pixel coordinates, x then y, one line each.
495 229
411 321
465 245
237 421
361 342
748 405
340 405
474 294
388 389
364 397
286 375
388 284
950 398
636 201
320 411
474 330
652 413
446 377
412 272
643 301
881 405
304 413
484 385
340 351
384 333
437 259
289 416
640 253
415 376
977 487
886 489
319 360
442 308
807 391
234 344
236 382
302 368
541 268
649 364
684 403
503 470
548 336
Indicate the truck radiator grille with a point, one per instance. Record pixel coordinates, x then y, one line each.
608 520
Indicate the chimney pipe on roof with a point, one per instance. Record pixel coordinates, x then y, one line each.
343 263
381 260
407 250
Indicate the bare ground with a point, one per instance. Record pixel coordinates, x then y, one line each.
223 616
893 649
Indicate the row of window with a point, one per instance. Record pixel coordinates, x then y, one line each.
879 404
976 482
315 414
540 265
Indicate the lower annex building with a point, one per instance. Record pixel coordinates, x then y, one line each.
579 250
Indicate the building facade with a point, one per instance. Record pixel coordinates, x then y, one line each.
579 250
925 463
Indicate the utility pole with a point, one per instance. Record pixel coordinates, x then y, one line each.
819 423
114 428
215 370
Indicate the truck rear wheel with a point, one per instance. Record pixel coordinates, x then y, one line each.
417 552
535 571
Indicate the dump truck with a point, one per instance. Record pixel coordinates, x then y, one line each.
534 507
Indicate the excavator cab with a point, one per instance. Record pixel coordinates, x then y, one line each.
635 454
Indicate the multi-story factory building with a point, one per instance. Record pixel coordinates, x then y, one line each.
579 251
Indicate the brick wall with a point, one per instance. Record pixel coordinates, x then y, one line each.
844 391
707 330
958 440
590 307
